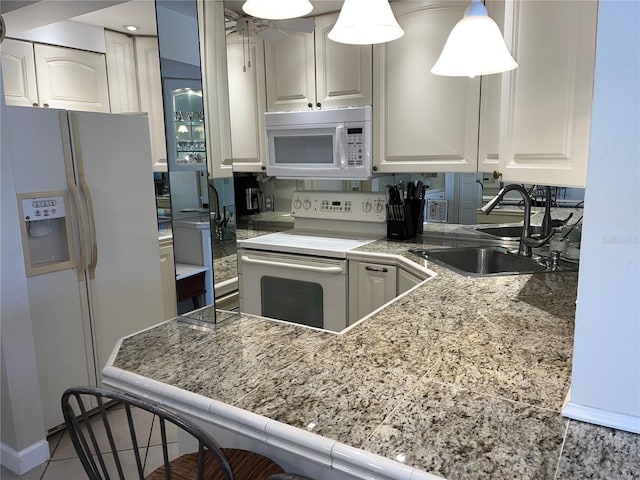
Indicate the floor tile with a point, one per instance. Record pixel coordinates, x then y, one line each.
34 474
465 435
120 428
119 425
591 451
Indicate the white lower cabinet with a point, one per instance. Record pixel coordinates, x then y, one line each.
406 281
168 277
371 285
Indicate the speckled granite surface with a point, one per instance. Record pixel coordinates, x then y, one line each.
461 377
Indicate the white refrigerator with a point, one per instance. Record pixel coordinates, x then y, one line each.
87 213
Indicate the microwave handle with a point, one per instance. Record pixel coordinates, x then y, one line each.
341 134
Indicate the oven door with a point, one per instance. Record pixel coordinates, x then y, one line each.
295 288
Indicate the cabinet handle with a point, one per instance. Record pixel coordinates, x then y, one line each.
376 269
263 167
45 105
374 168
35 105
310 105
319 105
496 174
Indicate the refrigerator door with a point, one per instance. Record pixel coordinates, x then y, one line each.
60 318
113 164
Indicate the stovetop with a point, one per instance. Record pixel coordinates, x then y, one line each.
327 224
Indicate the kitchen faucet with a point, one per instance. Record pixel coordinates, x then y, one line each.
526 241
219 221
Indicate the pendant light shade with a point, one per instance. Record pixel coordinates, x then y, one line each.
277 9
363 22
475 47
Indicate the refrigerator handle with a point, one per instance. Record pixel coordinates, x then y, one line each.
75 193
87 196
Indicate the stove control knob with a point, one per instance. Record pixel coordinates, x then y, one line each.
306 204
297 203
379 207
366 206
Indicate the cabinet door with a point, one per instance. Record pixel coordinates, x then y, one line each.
215 89
290 73
406 281
245 70
150 88
490 87
545 116
376 286
19 73
423 122
343 72
121 72
168 277
71 79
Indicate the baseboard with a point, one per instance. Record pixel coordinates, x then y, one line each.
605 418
26 459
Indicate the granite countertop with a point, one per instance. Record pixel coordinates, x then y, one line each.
461 377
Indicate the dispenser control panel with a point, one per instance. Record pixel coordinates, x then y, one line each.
43 207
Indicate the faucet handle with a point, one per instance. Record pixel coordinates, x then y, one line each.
537 242
559 223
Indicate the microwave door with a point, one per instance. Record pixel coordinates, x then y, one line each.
303 151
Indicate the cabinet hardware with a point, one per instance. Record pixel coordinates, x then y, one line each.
376 269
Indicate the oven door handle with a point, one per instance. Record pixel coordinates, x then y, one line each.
292 266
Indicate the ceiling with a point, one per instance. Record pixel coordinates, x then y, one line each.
24 15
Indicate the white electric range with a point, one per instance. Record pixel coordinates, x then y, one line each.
301 275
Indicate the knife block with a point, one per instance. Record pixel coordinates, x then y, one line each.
401 229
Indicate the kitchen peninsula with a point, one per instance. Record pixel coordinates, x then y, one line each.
462 378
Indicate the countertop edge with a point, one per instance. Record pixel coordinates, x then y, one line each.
286 438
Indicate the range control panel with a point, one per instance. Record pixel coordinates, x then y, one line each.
352 206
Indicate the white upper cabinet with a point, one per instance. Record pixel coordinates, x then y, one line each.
19 73
290 73
545 114
150 97
215 89
121 72
71 79
343 72
423 122
488 144
310 71
245 70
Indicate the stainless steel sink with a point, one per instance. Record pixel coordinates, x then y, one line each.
509 232
488 261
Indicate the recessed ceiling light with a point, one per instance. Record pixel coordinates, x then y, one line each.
131 28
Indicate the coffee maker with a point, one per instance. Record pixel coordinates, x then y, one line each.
247 193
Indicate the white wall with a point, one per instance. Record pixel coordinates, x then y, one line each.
23 444
606 366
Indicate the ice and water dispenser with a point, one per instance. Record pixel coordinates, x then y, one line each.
46 232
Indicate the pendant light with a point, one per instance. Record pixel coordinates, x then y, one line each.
277 9
475 47
363 22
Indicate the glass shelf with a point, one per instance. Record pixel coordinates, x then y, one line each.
187 131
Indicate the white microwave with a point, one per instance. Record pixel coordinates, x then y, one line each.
319 144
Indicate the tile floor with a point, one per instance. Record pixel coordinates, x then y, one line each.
65 465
